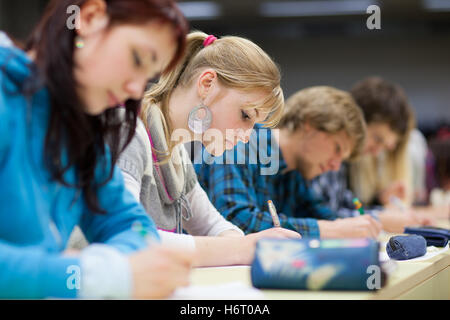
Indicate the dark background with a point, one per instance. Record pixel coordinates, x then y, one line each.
324 42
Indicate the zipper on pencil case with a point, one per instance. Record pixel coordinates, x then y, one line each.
392 244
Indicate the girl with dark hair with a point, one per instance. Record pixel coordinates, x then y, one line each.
57 107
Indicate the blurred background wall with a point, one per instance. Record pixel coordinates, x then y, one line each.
324 42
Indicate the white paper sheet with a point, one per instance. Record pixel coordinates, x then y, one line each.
431 252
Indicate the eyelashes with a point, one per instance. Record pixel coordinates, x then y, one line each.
138 64
244 115
338 149
137 60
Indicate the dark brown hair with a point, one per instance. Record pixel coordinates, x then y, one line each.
71 131
383 101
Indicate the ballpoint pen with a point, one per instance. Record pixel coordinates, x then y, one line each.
273 213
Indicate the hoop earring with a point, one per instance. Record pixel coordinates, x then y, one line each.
79 42
196 124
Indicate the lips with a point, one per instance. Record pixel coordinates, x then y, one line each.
322 169
113 101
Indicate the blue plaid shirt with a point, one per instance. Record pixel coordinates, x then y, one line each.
332 188
240 191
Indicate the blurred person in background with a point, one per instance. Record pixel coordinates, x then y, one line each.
383 175
321 127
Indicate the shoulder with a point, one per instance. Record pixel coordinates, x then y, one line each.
15 66
17 72
417 140
14 71
139 144
141 136
145 146
138 153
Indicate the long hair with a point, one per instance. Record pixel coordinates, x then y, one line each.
239 63
383 102
81 136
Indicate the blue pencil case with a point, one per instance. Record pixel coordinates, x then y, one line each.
437 237
406 247
313 264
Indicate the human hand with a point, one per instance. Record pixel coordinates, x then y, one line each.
433 212
159 270
396 189
250 240
358 227
276 232
396 221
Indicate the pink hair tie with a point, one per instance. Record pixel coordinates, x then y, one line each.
209 39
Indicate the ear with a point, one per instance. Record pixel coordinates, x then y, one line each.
93 17
207 85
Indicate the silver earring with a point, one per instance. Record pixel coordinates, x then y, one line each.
199 125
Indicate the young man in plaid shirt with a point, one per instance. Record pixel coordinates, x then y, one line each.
387 113
321 127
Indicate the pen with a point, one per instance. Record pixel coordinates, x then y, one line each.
139 229
358 206
273 213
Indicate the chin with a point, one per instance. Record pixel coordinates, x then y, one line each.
93 113
308 176
94 106
215 150
312 175
91 110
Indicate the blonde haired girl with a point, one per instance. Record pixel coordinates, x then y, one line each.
230 67
221 88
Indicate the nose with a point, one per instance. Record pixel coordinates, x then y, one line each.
135 88
376 150
335 164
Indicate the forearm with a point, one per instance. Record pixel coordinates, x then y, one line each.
328 229
221 251
230 233
32 273
210 251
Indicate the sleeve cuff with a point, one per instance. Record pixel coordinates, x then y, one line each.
105 273
308 228
183 241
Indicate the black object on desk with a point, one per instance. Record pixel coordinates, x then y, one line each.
437 237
